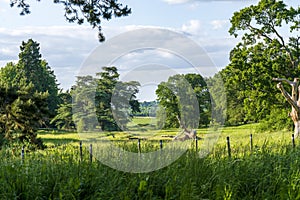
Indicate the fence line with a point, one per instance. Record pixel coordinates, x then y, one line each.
229 151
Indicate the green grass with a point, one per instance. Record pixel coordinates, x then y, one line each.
269 171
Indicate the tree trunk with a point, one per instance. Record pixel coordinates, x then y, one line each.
297 128
293 100
188 134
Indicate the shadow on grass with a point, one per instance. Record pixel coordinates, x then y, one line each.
59 141
55 132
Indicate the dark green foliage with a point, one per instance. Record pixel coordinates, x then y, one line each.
38 72
106 83
22 112
277 120
77 11
64 117
32 69
28 96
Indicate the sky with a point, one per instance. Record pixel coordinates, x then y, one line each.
68 47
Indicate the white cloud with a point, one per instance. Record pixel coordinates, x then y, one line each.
176 1
219 24
192 27
66 47
6 51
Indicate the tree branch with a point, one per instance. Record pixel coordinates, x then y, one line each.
284 80
293 62
288 97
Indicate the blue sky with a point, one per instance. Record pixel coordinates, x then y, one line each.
66 46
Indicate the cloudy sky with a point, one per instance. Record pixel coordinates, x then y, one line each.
67 47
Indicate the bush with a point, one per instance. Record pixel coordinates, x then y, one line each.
277 120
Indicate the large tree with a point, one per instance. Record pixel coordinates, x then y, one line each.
84 106
30 68
115 100
184 102
103 101
270 47
78 11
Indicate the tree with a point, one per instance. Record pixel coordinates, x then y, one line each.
64 117
124 103
84 107
38 72
32 69
115 100
218 98
106 82
181 100
77 11
266 51
21 113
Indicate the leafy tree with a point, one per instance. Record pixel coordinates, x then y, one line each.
182 98
266 51
77 11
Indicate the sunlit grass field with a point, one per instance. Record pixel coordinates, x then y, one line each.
270 170
144 128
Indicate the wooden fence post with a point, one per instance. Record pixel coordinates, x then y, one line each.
161 144
91 152
196 143
251 142
80 150
293 140
228 147
139 146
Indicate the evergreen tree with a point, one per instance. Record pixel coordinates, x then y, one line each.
106 82
21 114
84 107
104 102
64 117
32 69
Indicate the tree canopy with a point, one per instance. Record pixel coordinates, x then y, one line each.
31 68
184 102
103 102
270 47
28 95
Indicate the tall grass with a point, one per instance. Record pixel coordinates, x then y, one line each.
270 171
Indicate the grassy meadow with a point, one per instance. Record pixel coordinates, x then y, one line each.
271 170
